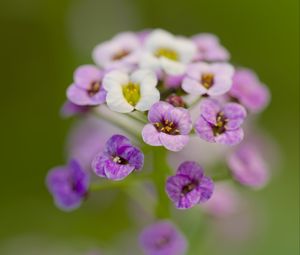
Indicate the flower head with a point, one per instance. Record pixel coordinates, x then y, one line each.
249 91
167 53
126 93
162 238
221 124
208 79
169 126
68 185
87 87
118 159
209 48
189 186
248 166
121 51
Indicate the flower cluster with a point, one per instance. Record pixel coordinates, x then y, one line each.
168 91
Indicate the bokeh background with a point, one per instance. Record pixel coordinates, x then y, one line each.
42 42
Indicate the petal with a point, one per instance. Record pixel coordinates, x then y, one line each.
144 77
191 169
173 142
148 61
206 188
79 96
116 101
151 135
193 86
209 110
98 164
149 96
204 130
116 171
86 74
236 114
133 155
159 39
116 141
186 48
158 110
230 137
115 79
181 117
172 67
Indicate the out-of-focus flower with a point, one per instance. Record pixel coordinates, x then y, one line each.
249 91
68 185
176 101
87 87
225 201
70 109
248 165
126 93
221 124
122 51
189 186
118 160
162 238
209 48
169 126
208 79
167 53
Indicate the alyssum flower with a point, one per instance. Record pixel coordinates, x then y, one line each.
87 87
208 79
162 238
118 160
221 124
122 51
128 92
169 126
189 186
163 52
68 185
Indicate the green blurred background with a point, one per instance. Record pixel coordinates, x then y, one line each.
42 42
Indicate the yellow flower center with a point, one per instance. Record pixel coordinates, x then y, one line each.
167 127
207 80
167 53
94 88
132 93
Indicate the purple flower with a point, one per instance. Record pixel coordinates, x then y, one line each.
121 51
248 165
169 126
208 79
249 91
189 186
68 185
209 48
118 159
70 109
87 87
221 124
162 238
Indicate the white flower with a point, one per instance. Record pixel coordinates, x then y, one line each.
166 52
126 93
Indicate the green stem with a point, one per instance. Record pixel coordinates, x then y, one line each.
160 172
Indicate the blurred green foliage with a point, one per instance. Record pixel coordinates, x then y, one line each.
42 41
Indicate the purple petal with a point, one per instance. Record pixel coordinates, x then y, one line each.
173 142
85 75
206 188
158 110
115 171
115 142
230 137
181 117
209 110
235 114
98 164
191 169
151 135
204 130
133 155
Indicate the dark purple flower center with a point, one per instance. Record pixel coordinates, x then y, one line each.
120 54
119 160
219 127
207 80
167 127
189 187
163 241
94 88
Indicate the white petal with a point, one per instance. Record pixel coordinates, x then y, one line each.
116 101
149 96
148 61
172 67
186 48
159 39
144 77
115 79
